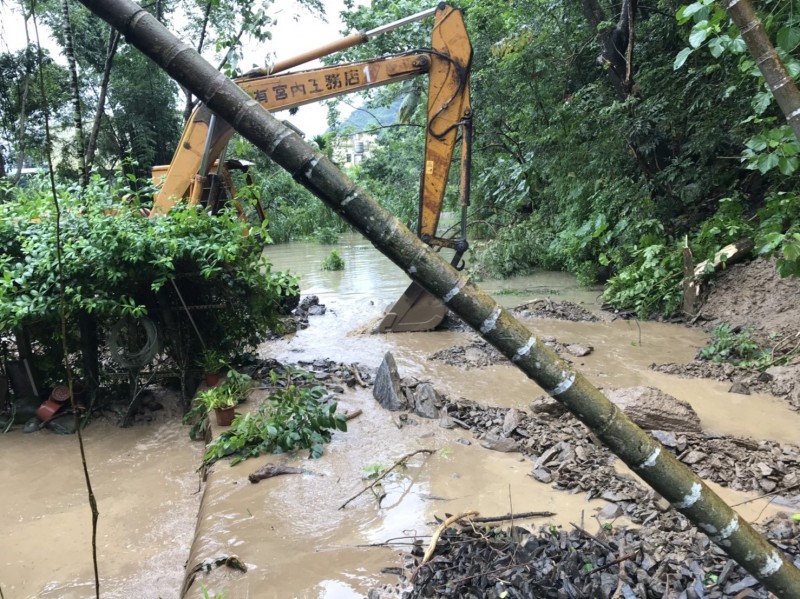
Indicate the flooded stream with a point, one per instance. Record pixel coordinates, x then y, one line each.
290 530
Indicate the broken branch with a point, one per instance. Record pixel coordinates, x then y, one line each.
387 471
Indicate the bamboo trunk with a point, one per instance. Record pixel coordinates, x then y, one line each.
769 63
659 468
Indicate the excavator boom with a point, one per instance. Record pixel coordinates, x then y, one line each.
447 63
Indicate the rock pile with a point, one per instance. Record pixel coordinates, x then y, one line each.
566 454
472 562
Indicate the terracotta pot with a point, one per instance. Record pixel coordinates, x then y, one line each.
225 415
212 378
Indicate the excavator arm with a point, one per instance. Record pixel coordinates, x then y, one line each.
447 63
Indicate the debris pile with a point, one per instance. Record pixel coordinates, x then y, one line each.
566 454
480 354
545 308
473 562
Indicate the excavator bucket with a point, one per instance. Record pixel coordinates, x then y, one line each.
416 310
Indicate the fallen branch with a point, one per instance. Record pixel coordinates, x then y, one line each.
589 535
387 471
435 539
514 516
350 415
357 375
619 560
271 470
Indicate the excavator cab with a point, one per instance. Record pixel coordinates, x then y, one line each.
197 171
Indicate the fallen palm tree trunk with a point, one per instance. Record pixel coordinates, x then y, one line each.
660 469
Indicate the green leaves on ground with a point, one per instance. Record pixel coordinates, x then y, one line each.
291 418
735 346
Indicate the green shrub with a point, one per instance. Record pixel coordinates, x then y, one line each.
292 418
117 264
651 284
333 261
739 348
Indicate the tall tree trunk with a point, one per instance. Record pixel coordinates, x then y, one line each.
190 103
76 93
657 466
111 50
23 103
769 63
616 43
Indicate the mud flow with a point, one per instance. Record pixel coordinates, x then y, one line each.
290 533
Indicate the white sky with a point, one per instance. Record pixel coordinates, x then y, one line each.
296 31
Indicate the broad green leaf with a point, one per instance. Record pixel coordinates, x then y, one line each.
685 12
791 249
788 38
766 162
716 47
681 58
761 102
787 165
698 35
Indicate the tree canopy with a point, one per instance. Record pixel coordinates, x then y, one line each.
608 135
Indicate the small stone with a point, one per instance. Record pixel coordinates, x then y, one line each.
578 350
694 457
512 420
387 385
739 388
610 511
425 400
463 441
503 444
542 475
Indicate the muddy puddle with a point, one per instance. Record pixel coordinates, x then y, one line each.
289 531
146 489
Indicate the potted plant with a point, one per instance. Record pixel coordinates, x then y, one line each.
238 384
221 401
212 362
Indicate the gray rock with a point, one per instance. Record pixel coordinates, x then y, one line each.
665 438
63 425
542 475
446 422
503 444
652 409
511 421
739 388
387 385
425 401
578 350
610 511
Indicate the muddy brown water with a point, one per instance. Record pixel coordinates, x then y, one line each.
289 530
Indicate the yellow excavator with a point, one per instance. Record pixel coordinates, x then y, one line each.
199 172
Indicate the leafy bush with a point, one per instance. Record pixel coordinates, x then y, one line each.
117 264
292 418
650 284
326 235
333 261
728 345
779 232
